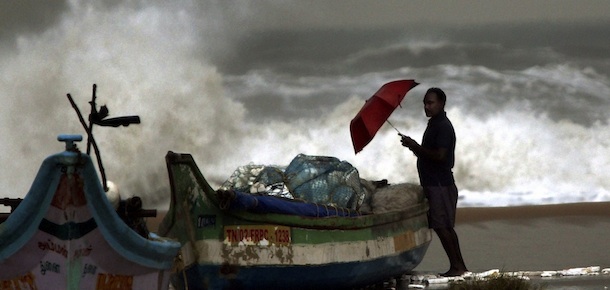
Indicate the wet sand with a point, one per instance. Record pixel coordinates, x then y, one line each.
549 237
532 238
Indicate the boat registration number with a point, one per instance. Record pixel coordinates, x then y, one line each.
260 235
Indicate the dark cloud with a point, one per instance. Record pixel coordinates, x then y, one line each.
28 16
267 15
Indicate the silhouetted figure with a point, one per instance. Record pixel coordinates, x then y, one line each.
435 160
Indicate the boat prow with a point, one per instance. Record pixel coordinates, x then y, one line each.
66 235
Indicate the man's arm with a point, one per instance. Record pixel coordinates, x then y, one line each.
439 154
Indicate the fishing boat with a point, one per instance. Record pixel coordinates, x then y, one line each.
65 234
228 246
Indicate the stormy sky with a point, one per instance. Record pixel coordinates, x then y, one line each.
228 21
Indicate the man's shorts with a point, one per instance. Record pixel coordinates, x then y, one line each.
443 203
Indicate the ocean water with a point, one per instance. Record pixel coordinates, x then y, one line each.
236 83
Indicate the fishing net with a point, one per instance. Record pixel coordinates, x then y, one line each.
258 179
325 180
317 179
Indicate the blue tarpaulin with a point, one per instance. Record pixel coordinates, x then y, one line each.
272 204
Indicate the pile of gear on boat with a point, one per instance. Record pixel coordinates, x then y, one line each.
324 180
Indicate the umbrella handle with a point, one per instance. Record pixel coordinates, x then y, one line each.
395 128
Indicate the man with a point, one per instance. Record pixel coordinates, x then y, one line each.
435 159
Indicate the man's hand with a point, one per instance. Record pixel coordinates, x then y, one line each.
435 154
408 142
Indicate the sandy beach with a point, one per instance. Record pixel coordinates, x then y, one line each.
548 237
526 238
532 238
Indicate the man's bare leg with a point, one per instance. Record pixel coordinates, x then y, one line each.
450 242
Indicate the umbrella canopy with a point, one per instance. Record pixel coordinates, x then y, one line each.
376 111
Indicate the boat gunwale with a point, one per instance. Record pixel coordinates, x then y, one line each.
329 222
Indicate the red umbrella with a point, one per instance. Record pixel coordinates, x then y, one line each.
376 111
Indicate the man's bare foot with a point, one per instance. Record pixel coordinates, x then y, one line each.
454 273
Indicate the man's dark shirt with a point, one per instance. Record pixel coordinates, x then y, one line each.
438 134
